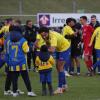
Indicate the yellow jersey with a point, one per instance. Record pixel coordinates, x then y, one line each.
96 35
67 30
58 41
4 29
44 65
40 41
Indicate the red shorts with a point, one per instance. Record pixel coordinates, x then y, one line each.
87 51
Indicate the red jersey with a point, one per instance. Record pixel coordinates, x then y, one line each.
87 31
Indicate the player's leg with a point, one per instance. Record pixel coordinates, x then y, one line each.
26 79
15 76
43 81
49 82
29 60
8 84
72 65
94 58
97 64
61 76
88 61
78 65
33 58
62 57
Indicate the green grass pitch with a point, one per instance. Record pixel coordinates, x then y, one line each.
80 87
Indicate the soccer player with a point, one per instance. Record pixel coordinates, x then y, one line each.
8 75
87 31
94 23
76 49
16 48
68 33
56 41
96 36
45 61
5 29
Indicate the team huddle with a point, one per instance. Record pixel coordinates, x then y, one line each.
21 45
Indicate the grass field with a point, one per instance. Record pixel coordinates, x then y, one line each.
80 88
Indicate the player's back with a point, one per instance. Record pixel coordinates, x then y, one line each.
62 44
14 48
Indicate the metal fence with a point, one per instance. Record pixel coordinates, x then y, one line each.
23 18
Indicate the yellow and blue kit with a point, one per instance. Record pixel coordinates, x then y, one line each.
67 30
40 41
16 47
45 61
61 44
44 65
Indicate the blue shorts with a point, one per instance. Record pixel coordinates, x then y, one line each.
97 53
64 56
46 77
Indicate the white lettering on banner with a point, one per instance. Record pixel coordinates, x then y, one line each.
59 19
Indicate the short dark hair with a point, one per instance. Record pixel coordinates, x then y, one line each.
15 28
74 20
44 48
18 21
43 29
28 21
84 17
93 16
68 20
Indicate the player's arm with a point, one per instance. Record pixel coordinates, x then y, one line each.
38 38
37 61
2 30
52 49
52 61
52 44
70 33
69 36
93 36
25 47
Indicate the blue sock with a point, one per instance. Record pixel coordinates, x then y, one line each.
78 69
61 79
64 79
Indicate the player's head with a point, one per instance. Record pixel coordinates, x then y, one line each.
29 23
44 48
44 31
83 20
17 22
9 21
15 28
70 21
93 19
